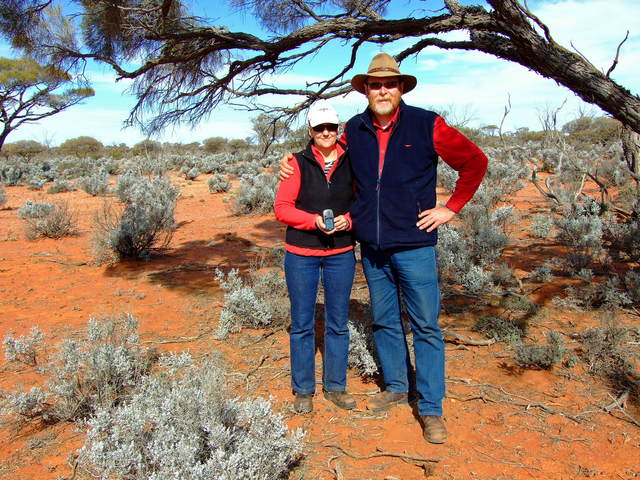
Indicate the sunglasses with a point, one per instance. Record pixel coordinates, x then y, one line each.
332 127
388 85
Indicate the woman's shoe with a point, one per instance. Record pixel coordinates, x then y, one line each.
303 403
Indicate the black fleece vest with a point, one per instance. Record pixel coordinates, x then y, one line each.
317 194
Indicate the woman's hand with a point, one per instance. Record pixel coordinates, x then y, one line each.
340 224
285 169
321 225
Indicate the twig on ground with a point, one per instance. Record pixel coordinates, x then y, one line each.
620 404
180 339
513 464
453 337
337 470
403 456
527 403
568 440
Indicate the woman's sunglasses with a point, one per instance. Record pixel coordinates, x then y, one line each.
332 127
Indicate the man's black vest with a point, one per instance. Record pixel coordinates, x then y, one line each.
385 210
317 194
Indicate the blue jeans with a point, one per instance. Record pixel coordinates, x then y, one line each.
414 273
302 274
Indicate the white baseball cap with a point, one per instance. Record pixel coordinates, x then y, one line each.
322 112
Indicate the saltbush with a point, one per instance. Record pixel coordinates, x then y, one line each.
85 375
255 194
146 222
362 357
3 196
608 353
181 423
59 222
580 228
258 303
95 184
61 186
23 349
500 328
218 184
32 209
541 356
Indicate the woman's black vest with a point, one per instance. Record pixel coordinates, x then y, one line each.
317 194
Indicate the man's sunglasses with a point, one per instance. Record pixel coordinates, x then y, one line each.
388 85
332 127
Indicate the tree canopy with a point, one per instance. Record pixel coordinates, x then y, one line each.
30 92
184 66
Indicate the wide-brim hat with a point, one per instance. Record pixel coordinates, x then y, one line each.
383 65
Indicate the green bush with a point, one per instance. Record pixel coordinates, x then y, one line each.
541 356
499 328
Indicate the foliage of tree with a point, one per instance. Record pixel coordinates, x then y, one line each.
82 146
183 66
588 130
146 147
30 92
267 130
214 144
25 149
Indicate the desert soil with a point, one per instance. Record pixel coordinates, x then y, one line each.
504 422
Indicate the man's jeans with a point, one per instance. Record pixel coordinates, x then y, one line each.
414 273
302 274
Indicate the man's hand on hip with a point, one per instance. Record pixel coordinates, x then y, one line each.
285 169
434 217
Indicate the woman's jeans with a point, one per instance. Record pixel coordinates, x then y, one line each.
302 274
413 272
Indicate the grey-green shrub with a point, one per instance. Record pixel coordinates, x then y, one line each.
257 303
541 356
581 229
32 209
146 222
59 222
218 184
608 353
362 357
182 423
500 328
23 349
61 186
541 226
3 196
99 371
95 184
29 405
255 194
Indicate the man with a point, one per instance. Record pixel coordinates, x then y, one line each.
394 150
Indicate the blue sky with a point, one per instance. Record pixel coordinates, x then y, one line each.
468 84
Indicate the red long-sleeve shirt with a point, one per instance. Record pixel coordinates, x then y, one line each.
455 149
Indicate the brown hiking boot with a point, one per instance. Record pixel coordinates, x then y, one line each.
434 429
303 403
341 399
385 400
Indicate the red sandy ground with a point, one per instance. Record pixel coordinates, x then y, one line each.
497 427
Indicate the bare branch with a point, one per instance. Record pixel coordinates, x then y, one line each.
615 60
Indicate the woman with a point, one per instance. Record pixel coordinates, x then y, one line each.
321 180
